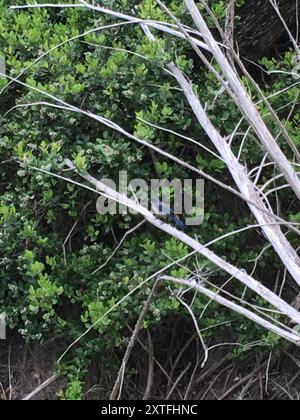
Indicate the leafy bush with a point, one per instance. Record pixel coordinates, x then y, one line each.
47 283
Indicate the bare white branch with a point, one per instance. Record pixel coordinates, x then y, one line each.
292 337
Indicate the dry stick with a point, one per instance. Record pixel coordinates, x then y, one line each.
284 254
192 377
297 363
114 127
240 383
161 26
112 195
241 275
151 367
283 390
267 373
67 107
129 232
204 346
264 312
244 101
192 40
293 358
290 383
154 359
238 273
274 234
214 381
265 100
226 381
64 105
71 232
41 387
117 389
177 360
109 193
195 142
226 87
209 372
248 386
282 128
292 39
9 373
292 337
128 18
158 26
178 380
3 391
229 28
230 17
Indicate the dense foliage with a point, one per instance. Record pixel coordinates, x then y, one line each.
51 237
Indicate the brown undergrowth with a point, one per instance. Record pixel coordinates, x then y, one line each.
165 364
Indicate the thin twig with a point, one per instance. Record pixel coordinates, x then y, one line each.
117 389
150 368
204 346
129 232
178 380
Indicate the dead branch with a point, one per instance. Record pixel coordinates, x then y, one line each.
117 389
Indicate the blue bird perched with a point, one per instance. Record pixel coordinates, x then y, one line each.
164 211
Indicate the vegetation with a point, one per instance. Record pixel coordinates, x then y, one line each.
57 273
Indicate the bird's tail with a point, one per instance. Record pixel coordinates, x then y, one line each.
178 222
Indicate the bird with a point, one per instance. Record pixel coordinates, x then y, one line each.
166 212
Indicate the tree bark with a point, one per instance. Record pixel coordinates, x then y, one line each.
260 31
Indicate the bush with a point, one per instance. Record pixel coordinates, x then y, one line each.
47 283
